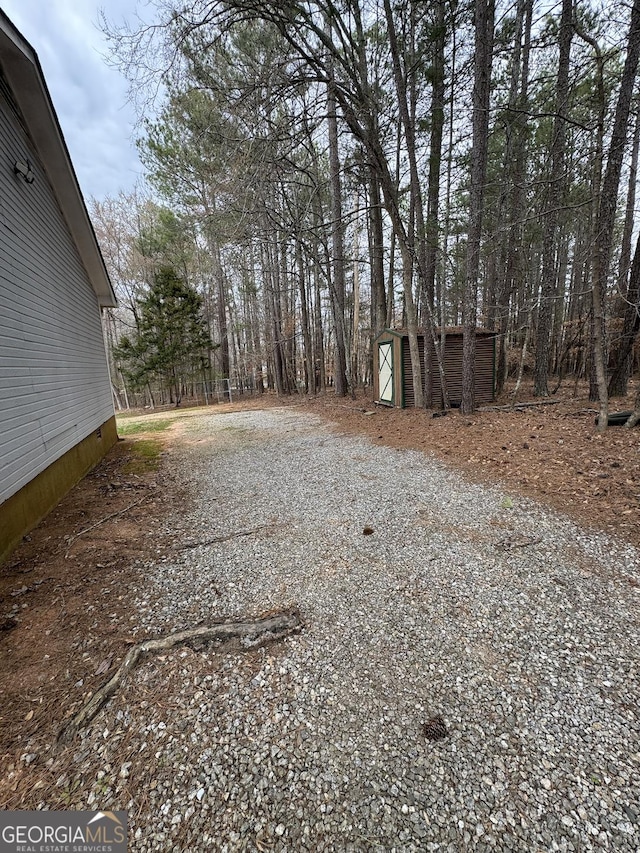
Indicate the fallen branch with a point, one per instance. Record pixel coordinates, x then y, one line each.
510 408
98 523
524 542
250 635
224 538
580 412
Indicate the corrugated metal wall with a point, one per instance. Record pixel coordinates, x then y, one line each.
407 384
54 380
484 370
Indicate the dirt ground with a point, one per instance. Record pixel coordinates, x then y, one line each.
66 603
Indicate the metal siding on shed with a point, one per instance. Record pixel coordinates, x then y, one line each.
484 369
54 381
409 395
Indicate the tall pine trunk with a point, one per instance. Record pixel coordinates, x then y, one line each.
483 56
627 297
605 221
555 195
415 200
432 233
515 166
337 282
376 254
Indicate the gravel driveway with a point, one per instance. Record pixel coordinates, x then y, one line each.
516 626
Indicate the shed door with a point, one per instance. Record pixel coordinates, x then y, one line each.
385 371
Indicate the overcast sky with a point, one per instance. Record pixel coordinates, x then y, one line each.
89 97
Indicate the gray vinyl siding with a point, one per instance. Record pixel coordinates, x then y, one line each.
54 380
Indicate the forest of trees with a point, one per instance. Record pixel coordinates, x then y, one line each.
318 171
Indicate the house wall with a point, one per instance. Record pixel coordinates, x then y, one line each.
27 507
55 389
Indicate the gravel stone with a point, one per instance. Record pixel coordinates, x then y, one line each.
529 653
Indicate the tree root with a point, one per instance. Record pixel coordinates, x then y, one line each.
98 523
250 634
225 538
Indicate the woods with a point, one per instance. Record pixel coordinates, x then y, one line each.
318 172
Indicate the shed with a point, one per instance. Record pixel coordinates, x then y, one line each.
393 378
56 407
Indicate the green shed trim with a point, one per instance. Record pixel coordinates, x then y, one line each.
388 332
390 359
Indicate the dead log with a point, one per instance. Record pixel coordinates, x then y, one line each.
250 634
513 406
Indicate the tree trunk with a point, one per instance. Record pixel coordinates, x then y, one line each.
515 164
337 283
355 334
304 311
627 297
376 252
607 208
415 200
272 312
631 327
483 56
635 415
625 251
433 188
442 314
554 201
435 152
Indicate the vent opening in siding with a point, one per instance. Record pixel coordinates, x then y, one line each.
99 432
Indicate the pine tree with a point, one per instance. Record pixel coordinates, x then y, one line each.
172 342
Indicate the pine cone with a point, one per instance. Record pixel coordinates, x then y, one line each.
435 728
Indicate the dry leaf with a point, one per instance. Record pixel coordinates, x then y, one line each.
104 666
